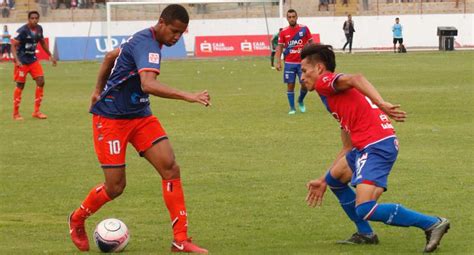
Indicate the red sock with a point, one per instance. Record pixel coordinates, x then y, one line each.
94 201
174 199
16 100
38 98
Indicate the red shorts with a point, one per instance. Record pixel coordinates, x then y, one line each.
112 135
35 69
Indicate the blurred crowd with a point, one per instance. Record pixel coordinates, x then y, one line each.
6 6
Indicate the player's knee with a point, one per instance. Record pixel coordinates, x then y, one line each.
365 209
116 189
20 85
171 171
40 81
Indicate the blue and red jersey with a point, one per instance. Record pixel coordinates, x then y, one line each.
293 40
122 97
27 40
356 114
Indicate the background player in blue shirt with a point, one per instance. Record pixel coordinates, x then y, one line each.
121 115
6 46
397 30
24 54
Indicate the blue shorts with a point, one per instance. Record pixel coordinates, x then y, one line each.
373 164
290 72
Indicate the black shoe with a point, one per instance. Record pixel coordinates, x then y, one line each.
357 238
435 233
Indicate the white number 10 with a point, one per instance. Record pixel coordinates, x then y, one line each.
114 147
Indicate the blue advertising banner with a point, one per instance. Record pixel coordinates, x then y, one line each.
94 48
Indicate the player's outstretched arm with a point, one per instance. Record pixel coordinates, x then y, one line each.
152 86
359 82
104 73
339 169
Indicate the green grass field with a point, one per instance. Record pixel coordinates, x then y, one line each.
244 161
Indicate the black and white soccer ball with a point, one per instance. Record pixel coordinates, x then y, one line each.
111 235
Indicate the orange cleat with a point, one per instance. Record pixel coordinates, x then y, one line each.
78 234
39 115
187 246
17 116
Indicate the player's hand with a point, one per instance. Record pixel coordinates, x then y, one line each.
94 98
53 59
316 189
278 66
393 111
18 63
202 97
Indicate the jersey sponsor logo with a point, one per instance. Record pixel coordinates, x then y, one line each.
295 42
136 99
301 33
154 58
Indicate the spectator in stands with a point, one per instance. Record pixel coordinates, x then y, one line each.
44 6
349 30
5 8
324 3
6 46
67 3
345 2
397 34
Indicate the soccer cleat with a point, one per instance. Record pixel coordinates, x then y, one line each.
17 116
435 233
78 234
187 246
302 107
292 112
39 115
357 238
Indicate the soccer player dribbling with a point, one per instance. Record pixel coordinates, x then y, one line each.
121 114
24 54
290 42
370 149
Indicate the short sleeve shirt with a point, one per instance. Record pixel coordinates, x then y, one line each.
123 97
27 40
293 40
356 114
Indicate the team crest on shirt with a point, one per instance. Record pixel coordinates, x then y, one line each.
301 33
154 58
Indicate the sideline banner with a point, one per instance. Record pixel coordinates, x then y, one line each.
94 48
235 45
40 53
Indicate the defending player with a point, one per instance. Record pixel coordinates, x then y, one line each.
290 41
369 150
24 54
121 114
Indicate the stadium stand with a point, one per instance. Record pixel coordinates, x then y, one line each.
95 10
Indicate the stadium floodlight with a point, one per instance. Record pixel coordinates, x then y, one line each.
109 6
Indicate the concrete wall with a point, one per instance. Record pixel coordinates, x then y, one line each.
371 31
